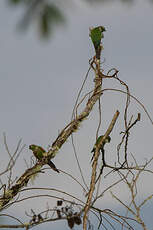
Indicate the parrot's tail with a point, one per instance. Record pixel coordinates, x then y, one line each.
51 164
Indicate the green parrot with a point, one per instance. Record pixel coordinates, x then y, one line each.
38 153
96 35
107 140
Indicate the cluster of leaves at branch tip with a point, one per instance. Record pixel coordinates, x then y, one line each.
96 35
68 212
40 153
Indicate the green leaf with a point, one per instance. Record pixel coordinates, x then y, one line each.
15 1
49 17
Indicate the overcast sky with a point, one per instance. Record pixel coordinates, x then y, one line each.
39 81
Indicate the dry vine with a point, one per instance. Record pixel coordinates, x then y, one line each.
76 211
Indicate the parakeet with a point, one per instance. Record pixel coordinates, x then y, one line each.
38 153
96 35
107 140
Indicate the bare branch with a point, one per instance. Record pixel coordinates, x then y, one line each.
94 167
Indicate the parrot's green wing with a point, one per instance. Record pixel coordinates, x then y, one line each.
96 35
37 151
107 140
97 142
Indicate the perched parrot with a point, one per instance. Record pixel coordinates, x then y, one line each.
96 35
38 153
107 140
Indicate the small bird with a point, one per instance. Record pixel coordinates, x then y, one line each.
38 152
107 140
96 35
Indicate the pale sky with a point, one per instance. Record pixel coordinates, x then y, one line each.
39 82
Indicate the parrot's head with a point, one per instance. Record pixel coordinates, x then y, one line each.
102 28
108 139
32 147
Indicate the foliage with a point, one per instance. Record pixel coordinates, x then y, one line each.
48 14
